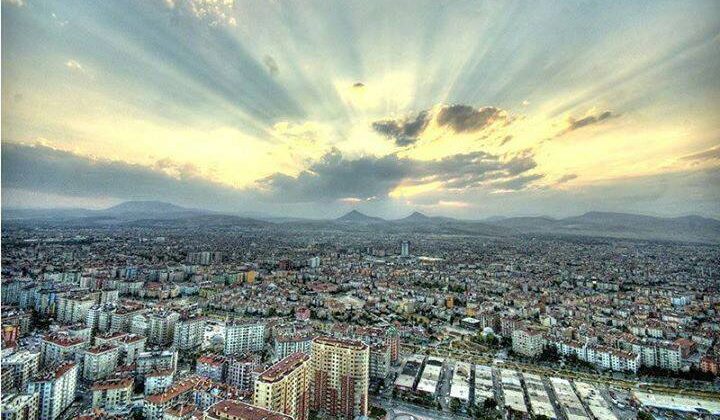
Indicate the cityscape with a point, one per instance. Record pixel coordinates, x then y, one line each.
218 318
360 210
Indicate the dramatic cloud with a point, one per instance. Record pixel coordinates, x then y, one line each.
334 177
271 65
405 131
464 118
234 92
40 168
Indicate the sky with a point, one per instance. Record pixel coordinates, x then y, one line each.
468 109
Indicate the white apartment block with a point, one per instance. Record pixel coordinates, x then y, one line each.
243 337
112 393
99 362
56 389
57 348
20 406
162 327
74 308
528 342
240 372
285 345
22 365
159 360
189 333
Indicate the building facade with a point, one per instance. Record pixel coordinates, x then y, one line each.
340 377
285 387
56 389
243 337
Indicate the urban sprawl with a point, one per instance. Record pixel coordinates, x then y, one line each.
251 323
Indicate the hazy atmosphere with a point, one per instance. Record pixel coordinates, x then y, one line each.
360 210
310 109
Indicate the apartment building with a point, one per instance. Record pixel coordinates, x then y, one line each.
285 387
340 378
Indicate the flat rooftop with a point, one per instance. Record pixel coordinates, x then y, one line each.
678 403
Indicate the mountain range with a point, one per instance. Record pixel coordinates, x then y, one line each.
598 224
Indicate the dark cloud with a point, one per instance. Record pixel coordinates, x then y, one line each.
47 170
465 118
506 140
271 65
517 183
584 122
359 85
565 178
335 177
710 154
405 131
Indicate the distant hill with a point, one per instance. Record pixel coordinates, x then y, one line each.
129 210
135 210
621 225
158 207
596 224
357 217
415 217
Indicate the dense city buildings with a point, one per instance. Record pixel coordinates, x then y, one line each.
453 324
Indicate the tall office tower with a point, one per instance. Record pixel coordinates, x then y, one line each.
56 388
244 336
161 327
340 377
285 387
405 249
22 365
189 333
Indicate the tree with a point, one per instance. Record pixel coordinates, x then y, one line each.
489 404
454 405
643 415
